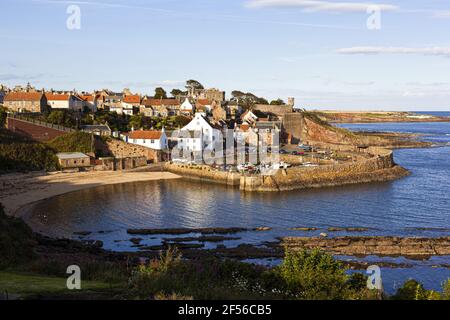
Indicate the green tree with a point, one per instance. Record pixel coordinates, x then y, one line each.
177 92
277 102
194 84
56 117
411 290
181 121
247 99
160 93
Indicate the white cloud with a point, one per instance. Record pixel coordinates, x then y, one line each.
444 14
316 5
435 51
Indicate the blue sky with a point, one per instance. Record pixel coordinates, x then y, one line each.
320 52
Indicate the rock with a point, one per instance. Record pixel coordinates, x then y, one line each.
323 234
185 231
82 233
136 240
201 239
262 229
303 229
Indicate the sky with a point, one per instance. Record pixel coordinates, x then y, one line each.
349 54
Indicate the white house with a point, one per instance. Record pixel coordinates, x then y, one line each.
89 101
152 139
198 135
129 105
186 107
249 117
64 101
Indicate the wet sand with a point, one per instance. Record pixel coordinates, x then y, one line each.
20 189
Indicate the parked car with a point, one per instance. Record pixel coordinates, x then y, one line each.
305 147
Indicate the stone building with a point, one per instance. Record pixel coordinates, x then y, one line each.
209 94
219 113
25 101
72 160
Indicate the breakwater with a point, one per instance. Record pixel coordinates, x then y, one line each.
380 166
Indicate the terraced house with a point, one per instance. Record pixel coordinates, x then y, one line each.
25 101
64 101
160 107
152 139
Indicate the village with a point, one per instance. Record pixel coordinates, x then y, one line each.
202 116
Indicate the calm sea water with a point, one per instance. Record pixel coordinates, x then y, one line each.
401 207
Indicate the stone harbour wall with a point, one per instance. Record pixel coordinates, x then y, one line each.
204 173
380 167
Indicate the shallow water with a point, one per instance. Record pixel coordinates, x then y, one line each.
401 207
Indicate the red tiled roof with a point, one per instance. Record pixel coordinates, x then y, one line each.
87 97
244 127
132 99
204 102
23 96
160 102
145 134
58 97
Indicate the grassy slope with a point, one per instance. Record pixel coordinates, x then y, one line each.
28 284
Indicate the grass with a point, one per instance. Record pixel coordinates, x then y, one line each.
31 285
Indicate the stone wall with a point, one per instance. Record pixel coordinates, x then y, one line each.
204 173
380 167
280 111
117 164
293 125
121 149
32 130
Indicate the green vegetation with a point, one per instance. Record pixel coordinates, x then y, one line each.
194 84
160 93
277 102
16 240
73 142
413 290
18 153
31 285
3 115
177 92
302 275
247 100
62 118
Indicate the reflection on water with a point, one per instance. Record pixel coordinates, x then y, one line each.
420 200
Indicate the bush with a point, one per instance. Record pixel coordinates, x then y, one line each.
413 290
20 154
16 241
202 278
3 116
313 275
73 142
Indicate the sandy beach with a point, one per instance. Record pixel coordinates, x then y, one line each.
20 189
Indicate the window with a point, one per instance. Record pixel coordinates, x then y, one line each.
143 141
152 141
